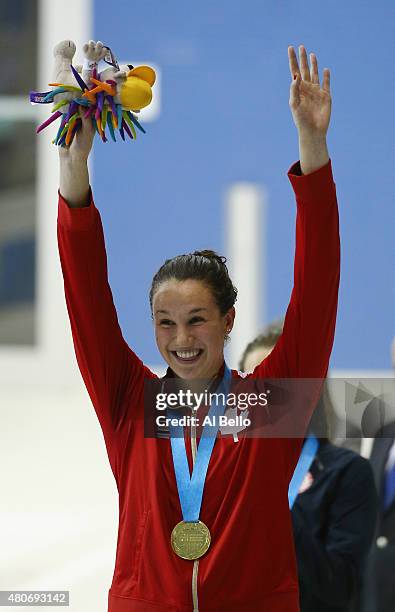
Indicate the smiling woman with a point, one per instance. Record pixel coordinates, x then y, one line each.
242 522
192 303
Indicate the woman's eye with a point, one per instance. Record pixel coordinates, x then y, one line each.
165 322
196 320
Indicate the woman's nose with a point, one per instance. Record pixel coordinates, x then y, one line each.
184 337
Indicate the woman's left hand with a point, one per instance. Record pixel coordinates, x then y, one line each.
309 102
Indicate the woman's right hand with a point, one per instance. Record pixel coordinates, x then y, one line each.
74 176
82 141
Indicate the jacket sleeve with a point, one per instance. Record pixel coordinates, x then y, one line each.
304 348
329 566
113 374
305 345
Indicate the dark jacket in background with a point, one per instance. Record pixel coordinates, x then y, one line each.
379 585
334 523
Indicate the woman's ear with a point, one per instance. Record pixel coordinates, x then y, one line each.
230 319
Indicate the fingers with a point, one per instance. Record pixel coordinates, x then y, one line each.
326 81
294 94
314 69
304 66
86 122
293 62
306 73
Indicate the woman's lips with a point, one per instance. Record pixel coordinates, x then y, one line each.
187 357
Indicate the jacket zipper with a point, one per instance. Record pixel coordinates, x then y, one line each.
196 562
195 571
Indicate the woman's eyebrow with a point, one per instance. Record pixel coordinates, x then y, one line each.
190 312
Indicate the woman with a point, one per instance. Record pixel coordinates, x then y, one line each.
250 564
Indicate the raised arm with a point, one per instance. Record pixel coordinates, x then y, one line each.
112 373
74 176
304 348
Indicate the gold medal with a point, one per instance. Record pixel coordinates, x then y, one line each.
190 540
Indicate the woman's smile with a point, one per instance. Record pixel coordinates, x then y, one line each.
189 328
187 356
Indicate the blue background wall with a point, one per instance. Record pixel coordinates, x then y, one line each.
225 117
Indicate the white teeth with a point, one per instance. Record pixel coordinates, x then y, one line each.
187 354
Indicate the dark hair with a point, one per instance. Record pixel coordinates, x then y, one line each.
266 339
206 266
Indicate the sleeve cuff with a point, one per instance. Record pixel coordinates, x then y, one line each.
316 183
78 219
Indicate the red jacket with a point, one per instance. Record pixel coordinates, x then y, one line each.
250 565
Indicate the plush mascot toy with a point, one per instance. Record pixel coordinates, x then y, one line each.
112 97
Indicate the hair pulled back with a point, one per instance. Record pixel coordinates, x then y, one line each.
206 266
266 339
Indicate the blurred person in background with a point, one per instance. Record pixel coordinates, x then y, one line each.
379 584
333 504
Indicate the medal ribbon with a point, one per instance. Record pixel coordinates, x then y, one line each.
306 458
190 488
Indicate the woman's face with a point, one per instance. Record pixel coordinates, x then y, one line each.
189 328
